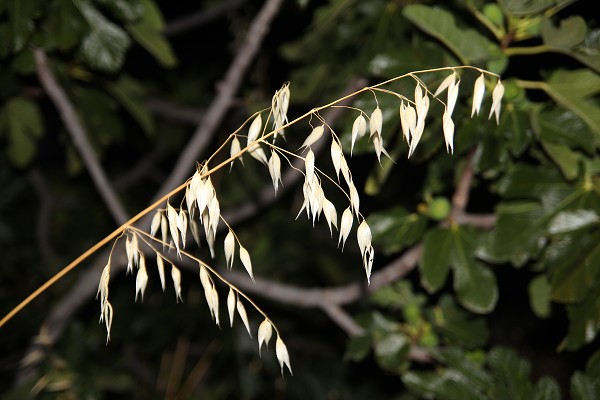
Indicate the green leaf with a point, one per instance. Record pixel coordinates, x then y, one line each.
21 22
546 389
470 371
539 296
395 229
435 262
21 122
64 26
391 351
467 44
566 159
474 283
574 271
148 33
573 90
561 126
397 295
571 32
459 327
511 375
523 8
358 348
584 387
124 10
129 93
584 322
105 46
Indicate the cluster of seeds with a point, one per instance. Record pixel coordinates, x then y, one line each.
201 213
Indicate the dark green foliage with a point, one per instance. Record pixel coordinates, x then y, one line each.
456 326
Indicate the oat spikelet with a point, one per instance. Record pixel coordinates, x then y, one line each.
345 226
282 355
315 135
141 279
155 224
160 265
497 95
445 83
275 169
235 150
242 313
265 330
478 93
245 259
448 128
336 157
359 128
176 277
229 247
231 300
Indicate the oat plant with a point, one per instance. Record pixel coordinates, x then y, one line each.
261 138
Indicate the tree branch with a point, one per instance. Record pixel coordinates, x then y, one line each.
75 129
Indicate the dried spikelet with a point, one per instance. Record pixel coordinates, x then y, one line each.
229 246
245 259
363 236
231 300
155 224
242 313
359 128
254 129
182 225
376 122
345 171
103 288
214 214
235 150
208 287
378 146
282 355
215 305
452 96
330 214
204 194
275 170
315 135
176 277
497 95
279 107
254 148
448 128
209 233
160 265
106 311
265 330
336 157
445 83
190 201
478 92
368 262
422 106
205 278
129 251
354 198
172 216
345 226
309 165
141 279
164 228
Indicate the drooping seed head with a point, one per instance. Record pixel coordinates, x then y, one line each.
497 95
265 330
282 354
478 92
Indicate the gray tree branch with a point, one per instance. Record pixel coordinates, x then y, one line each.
77 132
